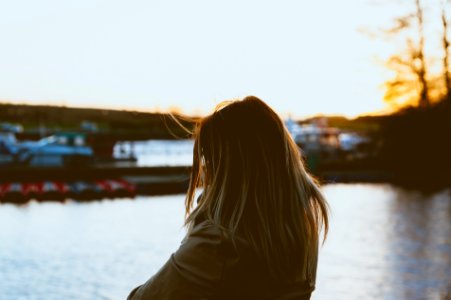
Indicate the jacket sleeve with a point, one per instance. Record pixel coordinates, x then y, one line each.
193 272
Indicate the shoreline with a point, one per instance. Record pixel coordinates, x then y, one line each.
86 183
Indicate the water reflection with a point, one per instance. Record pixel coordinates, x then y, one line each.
421 259
159 153
384 243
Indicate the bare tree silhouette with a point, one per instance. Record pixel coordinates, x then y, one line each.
446 45
410 82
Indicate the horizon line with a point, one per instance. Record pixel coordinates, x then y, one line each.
178 110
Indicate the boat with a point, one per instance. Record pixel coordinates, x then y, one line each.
60 149
8 146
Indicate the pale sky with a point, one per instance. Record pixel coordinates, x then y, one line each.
301 57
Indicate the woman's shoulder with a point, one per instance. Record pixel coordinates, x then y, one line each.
205 228
234 267
207 240
207 236
192 272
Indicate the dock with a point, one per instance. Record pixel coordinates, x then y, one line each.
21 184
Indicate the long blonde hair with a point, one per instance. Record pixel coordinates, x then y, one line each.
255 186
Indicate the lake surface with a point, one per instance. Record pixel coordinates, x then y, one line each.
384 243
158 152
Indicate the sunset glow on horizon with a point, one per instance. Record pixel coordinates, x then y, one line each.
302 58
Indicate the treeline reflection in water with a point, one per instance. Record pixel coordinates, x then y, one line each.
385 243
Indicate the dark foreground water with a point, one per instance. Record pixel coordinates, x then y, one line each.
384 243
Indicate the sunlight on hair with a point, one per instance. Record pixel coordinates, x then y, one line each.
255 186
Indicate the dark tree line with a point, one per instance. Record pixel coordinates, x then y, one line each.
416 144
55 118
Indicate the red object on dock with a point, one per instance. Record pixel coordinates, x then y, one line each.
13 192
53 190
19 193
31 190
117 188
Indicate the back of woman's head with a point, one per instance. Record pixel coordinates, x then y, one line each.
255 186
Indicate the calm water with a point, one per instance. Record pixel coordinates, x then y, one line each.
384 243
158 152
